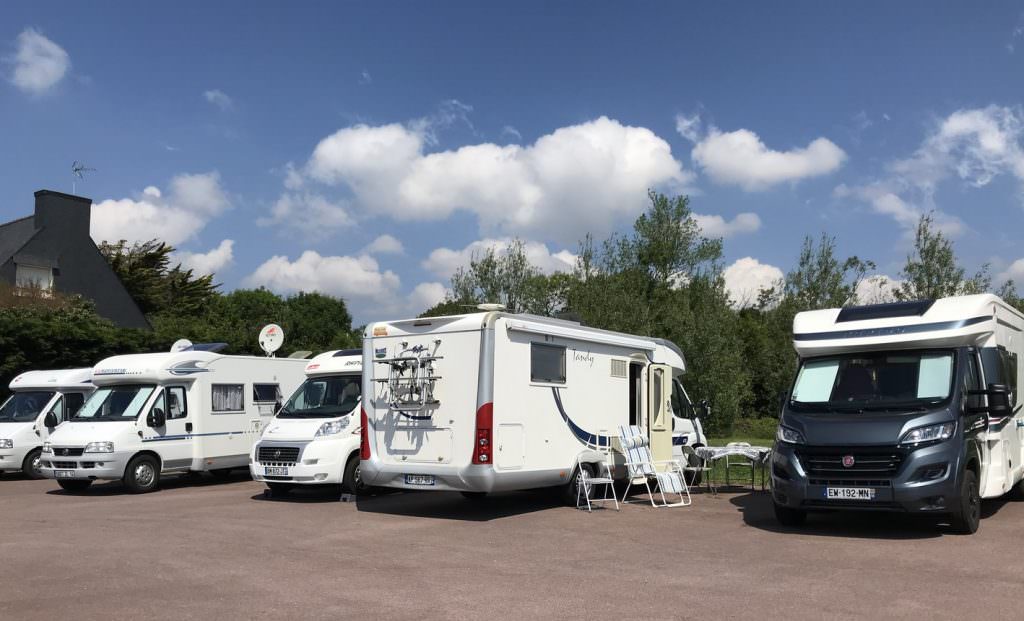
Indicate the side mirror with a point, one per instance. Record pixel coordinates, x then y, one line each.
50 420
705 409
156 418
998 400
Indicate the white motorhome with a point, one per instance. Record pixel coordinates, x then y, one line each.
25 418
910 407
166 413
314 438
494 401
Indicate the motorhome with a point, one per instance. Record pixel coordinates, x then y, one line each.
151 415
494 401
911 406
41 401
314 438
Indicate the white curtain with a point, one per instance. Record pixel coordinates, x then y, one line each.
227 398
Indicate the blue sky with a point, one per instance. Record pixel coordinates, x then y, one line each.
367 150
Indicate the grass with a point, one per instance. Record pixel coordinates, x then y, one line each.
738 476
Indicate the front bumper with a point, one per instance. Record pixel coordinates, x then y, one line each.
88 466
320 462
13 458
913 487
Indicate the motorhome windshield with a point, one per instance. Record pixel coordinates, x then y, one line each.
874 381
25 406
324 397
115 403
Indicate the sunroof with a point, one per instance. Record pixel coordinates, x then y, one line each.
884 311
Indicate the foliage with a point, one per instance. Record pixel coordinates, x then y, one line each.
763 427
156 286
932 272
821 280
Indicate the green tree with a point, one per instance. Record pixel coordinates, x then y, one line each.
496 277
821 280
157 285
932 271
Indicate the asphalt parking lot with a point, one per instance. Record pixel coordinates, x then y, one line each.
221 550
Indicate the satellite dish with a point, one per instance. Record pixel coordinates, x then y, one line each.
271 338
491 307
181 345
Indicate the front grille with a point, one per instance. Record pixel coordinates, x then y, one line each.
67 451
850 482
67 465
274 455
868 462
870 505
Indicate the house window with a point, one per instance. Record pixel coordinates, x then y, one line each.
547 363
228 398
34 276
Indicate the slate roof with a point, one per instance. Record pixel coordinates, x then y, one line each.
14 235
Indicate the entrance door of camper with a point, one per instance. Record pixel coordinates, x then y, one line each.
659 411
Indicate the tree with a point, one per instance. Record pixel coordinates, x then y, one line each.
156 286
821 280
496 277
931 270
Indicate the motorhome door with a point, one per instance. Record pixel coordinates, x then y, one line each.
659 411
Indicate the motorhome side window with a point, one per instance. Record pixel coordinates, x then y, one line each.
266 393
228 397
547 363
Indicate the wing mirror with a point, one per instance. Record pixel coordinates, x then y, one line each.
998 401
705 409
50 420
156 418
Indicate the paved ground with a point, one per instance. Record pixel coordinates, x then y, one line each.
216 550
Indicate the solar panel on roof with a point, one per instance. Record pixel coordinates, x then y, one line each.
884 311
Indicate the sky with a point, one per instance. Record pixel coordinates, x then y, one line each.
368 150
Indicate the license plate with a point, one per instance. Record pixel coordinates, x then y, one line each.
419 479
850 493
64 474
277 471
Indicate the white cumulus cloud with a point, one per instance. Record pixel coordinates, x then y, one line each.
425 295
385 244
39 63
717 226
580 178
747 277
444 262
173 216
308 214
211 262
1014 272
877 289
344 276
741 158
219 98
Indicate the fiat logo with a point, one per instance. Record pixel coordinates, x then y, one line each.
848 461
277 455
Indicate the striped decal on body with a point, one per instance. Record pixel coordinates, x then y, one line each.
592 440
189 436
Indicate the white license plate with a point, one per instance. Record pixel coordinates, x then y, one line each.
278 471
850 493
419 479
64 474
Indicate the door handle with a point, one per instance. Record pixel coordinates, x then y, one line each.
188 427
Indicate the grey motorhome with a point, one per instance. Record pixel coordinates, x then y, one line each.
909 406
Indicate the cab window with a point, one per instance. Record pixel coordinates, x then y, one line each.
72 403
176 404
681 405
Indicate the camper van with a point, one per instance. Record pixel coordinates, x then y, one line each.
314 438
493 401
42 400
167 413
910 407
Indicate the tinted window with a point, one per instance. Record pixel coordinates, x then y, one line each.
24 406
547 363
115 403
324 397
266 393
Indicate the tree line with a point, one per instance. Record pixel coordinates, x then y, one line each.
662 278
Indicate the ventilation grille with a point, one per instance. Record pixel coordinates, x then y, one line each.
620 368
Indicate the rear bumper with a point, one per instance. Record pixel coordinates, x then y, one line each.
906 490
466 478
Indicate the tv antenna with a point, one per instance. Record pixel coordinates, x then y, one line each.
78 170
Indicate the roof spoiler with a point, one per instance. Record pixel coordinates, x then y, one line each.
915 308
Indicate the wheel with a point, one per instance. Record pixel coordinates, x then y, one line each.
30 467
789 517
570 491
352 480
474 495
279 490
142 474
74 485
967 517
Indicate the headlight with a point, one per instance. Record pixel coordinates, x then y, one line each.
785 434
6 443
332 427
931 433
47 447
99 447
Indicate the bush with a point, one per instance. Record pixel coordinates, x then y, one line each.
755 427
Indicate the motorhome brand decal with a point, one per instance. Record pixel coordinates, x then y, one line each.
584 357
592 440
380 353
116 372
890 330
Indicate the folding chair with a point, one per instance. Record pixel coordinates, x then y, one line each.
587 482
642 469
693 463
739 461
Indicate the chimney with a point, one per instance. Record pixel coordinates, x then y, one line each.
66 213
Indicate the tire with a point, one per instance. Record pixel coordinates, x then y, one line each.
74 485
142 474
352 482
30 467
789 517
279 490
967 517
474 495
570 490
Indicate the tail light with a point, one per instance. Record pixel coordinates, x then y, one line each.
482 453
364 435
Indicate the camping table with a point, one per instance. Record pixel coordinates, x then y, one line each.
756 454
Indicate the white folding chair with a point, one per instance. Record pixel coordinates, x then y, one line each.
693 463
587 482
739 461
642 469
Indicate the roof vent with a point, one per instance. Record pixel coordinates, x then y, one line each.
884 311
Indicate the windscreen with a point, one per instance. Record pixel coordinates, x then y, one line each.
874 380
324 397
25 406
115 403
